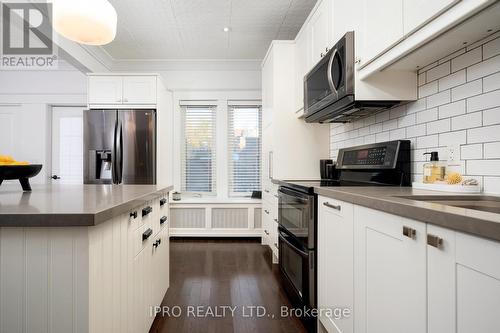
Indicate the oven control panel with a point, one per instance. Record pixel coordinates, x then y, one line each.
379 155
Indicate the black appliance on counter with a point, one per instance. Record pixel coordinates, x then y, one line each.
379 164
329 88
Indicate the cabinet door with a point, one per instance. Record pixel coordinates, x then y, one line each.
139 89
335 262
417 12
267 91
389 274
302 66
383 27
320 31
105 89
266 224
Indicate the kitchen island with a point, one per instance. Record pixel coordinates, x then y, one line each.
82 258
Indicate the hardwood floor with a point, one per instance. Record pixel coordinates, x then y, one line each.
216 273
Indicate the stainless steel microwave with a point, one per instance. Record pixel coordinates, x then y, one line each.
329 88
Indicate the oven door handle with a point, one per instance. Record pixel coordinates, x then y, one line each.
302 253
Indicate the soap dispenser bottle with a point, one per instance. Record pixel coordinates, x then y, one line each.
434 171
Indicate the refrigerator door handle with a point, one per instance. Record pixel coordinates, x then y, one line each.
117 153
120 152
114 154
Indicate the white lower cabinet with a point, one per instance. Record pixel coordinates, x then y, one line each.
463 283
335 263
389 273
402 275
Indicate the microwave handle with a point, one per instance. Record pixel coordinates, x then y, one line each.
330 64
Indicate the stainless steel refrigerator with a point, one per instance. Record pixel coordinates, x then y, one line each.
119 146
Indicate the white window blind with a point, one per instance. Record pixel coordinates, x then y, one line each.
198 161
245 132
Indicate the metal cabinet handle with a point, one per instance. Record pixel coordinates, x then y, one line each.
133 214
276 220
409 232
266 232
146 234
329 205
276 245
266 211
163 219
163 202
322 54
147 210
327 49
435 241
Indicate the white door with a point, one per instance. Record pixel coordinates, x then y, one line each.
389 274
67 145
139 90
105 90
320 31
335 263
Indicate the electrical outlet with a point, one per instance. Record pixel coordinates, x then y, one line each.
454 154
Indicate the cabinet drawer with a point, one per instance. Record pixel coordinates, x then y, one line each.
479 254
135 218
334 206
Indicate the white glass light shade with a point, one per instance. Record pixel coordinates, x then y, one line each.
91 22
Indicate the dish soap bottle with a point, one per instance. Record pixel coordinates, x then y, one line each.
434 171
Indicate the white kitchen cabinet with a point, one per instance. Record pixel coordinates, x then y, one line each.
389 273
139 89
122 90
302 66
382 28
319 27
463 282
335 262
418 12
105 89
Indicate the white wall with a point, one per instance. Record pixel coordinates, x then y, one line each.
459 103
26 98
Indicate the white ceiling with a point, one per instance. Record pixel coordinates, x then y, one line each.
193 29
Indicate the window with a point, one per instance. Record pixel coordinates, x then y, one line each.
245 127
198 162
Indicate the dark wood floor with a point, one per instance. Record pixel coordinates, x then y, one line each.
214 273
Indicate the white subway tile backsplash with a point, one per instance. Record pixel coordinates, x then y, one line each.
428 89
452 80
492 150
457 105
483 68
484 134
467 90
438 126
492 48
472 152
491 116
452 109
438 99
491 185
484 101
452 138
483 167
467 59
469 120
417 130
491 82
438 71
427 115
428 141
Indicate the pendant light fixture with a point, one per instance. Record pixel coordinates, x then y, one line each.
91 22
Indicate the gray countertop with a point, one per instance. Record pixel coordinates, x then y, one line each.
390 200
71 205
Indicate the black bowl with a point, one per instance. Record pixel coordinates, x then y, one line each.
21 172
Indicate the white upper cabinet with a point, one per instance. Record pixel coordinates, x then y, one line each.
120 90
418 12
320 31
302 64
382 28
390 273
105 89
139 89
343 12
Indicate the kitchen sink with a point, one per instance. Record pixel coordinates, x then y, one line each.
483 203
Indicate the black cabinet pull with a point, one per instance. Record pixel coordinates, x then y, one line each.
133 214
146 234
163 219
157 243
147 210
163 201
